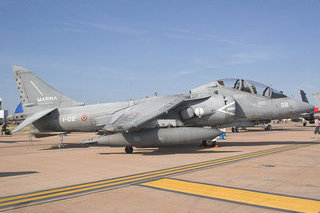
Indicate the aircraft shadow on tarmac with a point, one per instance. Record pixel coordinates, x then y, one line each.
7 174
182 149
263 143
156 151
274 130
197 149
21 141
169 150
68 146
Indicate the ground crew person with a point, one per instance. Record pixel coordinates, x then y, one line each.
4 128
317 124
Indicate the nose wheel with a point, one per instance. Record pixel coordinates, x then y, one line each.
268 128
235 129
128 149
204 144
208 143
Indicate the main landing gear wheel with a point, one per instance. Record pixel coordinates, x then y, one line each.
305 124
128 149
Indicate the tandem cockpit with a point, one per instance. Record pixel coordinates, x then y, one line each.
240 85
251 87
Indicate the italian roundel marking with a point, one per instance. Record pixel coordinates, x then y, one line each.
84 117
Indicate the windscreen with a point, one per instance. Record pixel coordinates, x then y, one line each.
228 82
251 87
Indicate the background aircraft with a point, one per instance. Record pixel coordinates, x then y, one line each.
18 116
150 122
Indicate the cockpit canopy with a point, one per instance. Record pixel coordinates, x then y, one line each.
251 87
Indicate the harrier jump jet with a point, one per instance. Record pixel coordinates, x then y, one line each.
148 122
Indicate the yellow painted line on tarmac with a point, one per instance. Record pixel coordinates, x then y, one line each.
162 172
77 189
237 195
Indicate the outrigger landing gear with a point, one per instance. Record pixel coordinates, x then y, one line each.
61 144
128 149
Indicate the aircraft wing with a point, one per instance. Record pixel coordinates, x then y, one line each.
140 113
33 118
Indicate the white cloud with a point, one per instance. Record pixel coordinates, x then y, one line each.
183 73
72 30
178 33
112 28
246 58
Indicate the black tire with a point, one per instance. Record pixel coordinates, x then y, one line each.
237 129
232 129
128 149
268 128
7 132
204 143
305 124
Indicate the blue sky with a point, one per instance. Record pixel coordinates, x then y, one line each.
103 51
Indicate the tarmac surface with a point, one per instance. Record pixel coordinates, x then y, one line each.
250 171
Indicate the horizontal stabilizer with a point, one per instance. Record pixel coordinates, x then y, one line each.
33 118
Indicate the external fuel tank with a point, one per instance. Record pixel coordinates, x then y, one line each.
157 137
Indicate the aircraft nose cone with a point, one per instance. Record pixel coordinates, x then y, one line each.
309 107
303 107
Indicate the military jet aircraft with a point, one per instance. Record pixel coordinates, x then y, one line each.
256 103
18 116
148 122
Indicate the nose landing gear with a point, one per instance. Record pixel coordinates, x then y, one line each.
209 143
128 149
268 128
235 129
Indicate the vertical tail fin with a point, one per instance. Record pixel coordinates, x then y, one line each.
317 97
35 94
304 96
